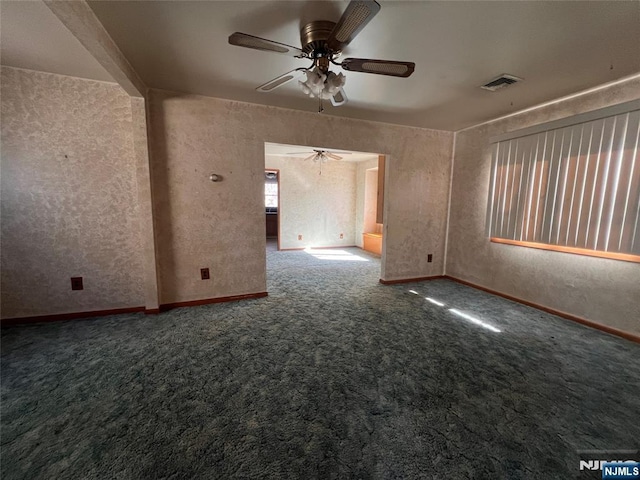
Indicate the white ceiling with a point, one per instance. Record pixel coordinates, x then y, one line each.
302 152
32 37
559 48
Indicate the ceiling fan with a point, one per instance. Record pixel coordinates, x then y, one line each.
322 156
322 42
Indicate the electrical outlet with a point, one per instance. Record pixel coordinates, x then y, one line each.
430 258
299 237
341 236
204 274
76 283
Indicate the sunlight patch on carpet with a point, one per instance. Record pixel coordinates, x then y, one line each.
331 254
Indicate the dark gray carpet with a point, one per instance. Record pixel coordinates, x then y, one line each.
332 376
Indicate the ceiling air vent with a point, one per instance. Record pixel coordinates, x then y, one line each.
502 81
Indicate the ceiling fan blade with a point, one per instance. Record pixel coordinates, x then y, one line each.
353 20
281 80
319 151
310 157
249 41
379 67
339 98
332 156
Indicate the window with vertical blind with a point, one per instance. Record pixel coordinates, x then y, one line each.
571 185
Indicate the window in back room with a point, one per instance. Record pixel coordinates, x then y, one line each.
271 190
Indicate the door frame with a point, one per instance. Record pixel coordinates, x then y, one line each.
277 172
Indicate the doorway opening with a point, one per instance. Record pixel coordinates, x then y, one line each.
325 202
271 207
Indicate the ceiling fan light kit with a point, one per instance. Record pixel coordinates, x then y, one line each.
322 42
322 85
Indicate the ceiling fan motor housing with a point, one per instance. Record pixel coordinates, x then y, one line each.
313 38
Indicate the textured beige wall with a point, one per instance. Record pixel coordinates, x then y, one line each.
601 290
318 207
69 196
371 202
145 202
221 225
361 203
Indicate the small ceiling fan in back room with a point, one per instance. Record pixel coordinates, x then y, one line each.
319 155
322 42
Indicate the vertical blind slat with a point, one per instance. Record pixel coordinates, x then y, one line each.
581 221
541 191
522 190
513 169
531 184
552 187
631 149
635 243
517 183
498 190
561 195
617 157
574 201
492 188
548 163
505 178
599 242
594 190
581 180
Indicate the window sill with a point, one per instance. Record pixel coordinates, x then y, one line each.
626 257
